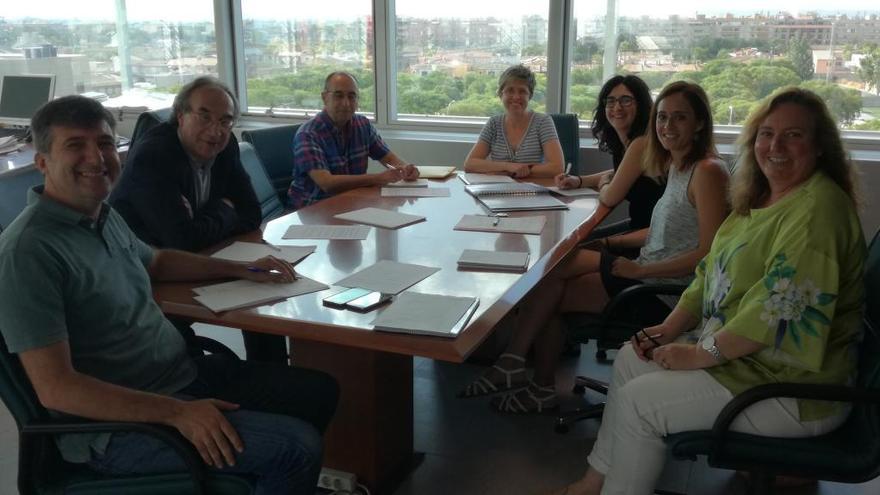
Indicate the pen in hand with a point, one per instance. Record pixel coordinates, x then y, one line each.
567 168
256 269
651 338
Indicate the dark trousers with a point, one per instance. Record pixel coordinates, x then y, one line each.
283 412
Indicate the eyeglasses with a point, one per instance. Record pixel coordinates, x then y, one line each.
624 101
206 120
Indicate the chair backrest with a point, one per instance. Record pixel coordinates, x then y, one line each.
269 204
567 130
869 358
14 186
274 146
147 121
16 391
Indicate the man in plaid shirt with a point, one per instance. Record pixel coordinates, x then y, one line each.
331 150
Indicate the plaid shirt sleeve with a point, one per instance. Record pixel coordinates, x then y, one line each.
308 154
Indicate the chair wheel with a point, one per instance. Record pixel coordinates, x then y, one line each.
579 390
601 355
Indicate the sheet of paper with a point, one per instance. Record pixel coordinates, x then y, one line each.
435 172
510 225
408 183
416 192
504 260
427 314
251 251
243 293
574 193
485 178
389 277
380 218
332 232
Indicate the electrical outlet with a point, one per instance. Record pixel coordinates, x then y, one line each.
331 479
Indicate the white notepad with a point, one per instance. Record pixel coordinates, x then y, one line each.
471 178
507 225
427 314
408 183
416 192
515 197
574 193
251 251
494 260
389 277
435 172
243 293
331 232
378 217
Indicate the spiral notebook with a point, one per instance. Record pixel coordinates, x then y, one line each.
515 196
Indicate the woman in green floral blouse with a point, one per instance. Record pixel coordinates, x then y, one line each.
777 299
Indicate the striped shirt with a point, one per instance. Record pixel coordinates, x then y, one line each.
318 145
531 148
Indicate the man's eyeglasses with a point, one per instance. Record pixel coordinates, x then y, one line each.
624 101
206 120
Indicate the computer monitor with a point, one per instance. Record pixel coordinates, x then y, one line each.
21 96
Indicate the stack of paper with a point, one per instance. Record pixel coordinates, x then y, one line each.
427 314
518 225
415 192
250 251
331 232
515 197
380 218
389 277
408 183
243 293
574 193
494 260
434 172
485 178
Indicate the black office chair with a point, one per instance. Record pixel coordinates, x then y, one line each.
849 454
628 312
148 120
41 469
567 130
274 146
269 204
14 186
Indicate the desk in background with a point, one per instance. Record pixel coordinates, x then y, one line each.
372 432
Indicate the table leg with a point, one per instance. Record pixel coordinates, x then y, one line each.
371 434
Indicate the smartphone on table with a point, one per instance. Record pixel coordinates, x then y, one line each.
368 302
339 299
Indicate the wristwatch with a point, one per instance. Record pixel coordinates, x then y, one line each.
709 346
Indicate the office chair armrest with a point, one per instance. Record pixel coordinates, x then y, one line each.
637 290
837 393
215 347
610 229
187 452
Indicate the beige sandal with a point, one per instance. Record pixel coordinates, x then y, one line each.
484 386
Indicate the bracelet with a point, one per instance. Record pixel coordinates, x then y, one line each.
580 181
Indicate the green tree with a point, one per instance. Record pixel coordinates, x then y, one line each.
801 57
869 70
845 103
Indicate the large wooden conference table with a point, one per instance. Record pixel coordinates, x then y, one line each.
372 432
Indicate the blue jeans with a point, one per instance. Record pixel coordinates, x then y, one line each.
283 410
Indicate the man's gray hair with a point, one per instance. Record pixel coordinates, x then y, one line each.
181 101
73 111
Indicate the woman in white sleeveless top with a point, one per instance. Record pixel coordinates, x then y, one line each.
683 224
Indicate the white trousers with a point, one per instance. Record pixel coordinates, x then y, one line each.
646 403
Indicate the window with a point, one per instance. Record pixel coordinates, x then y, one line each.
738 56
449 54
290 47
136 57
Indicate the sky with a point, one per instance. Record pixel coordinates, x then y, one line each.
201 10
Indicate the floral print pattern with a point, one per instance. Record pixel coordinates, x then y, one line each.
793 309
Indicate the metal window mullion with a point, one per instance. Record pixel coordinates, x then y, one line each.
384 60
228 29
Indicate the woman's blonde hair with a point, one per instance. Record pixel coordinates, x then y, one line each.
656 159
749 187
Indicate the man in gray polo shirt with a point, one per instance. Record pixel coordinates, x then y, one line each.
76 306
